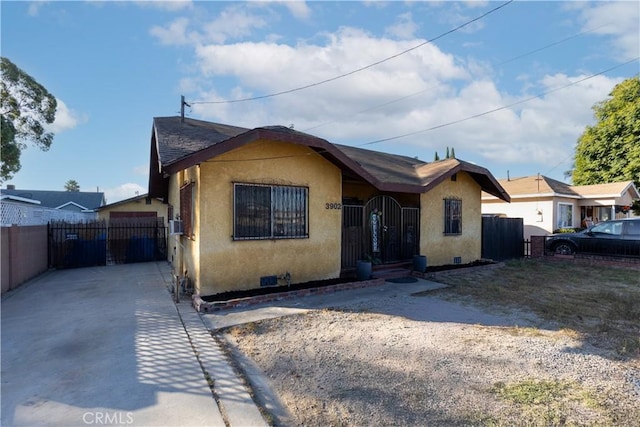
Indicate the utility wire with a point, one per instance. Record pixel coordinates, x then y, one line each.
230 101
531 52
450 123
551 44
504 107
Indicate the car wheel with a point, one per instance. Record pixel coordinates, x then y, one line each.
564 248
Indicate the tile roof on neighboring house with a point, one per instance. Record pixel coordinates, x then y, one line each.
177 145
542 186
83 200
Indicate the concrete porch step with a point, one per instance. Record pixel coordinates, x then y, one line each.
392 271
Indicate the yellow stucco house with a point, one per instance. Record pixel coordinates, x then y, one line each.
140 206
272 201
546 205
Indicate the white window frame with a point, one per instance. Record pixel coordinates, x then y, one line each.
560 215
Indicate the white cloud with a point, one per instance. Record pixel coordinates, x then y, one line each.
417 92
404 28
66 118
234 22
169 5
298 9
35 6
122 192
620 20
174 34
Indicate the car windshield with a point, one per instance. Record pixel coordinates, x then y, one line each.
609 227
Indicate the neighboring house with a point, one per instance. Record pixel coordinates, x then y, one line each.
269 201
35 207
141 206
547 205
77 201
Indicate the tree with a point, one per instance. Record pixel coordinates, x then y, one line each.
436 157
25 107
72 185
609 151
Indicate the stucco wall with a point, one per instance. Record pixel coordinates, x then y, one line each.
139 205
226 264
24 254
183 251
439 248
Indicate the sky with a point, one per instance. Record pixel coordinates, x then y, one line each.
510 86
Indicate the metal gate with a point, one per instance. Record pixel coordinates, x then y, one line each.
381 230
119 241
502 238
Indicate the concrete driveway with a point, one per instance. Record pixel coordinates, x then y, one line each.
101 346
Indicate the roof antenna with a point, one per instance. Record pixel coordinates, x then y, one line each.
182 104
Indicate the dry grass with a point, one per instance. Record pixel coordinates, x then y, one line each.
599 303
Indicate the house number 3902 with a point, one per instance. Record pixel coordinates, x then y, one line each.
333 205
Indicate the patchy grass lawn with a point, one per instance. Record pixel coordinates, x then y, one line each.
600 304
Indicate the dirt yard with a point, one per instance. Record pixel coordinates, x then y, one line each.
442 358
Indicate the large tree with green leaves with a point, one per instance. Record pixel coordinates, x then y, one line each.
26 107
609 151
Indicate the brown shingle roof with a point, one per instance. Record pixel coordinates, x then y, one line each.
610 189
176 139
177 145
540 185
533 185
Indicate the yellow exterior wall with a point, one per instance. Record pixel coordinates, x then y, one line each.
227 265
440 249
183 251
139 205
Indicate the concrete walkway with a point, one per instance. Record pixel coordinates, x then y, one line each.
107 346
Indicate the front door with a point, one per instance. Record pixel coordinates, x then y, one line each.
380 230
383 229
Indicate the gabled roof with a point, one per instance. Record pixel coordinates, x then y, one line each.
19 199
56 199
125 201
177 145
393 172
614 189
536 186
543 186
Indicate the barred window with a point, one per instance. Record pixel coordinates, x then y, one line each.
452 216
270 212
186 209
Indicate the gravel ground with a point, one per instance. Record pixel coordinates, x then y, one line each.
421 360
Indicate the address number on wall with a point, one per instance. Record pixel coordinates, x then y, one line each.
333 205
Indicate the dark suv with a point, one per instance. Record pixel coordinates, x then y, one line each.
615 237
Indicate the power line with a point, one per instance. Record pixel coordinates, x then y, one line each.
446 124
531 52
504 107
358 69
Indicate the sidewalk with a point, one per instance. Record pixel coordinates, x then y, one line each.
107 346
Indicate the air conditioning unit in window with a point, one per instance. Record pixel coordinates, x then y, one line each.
176 227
